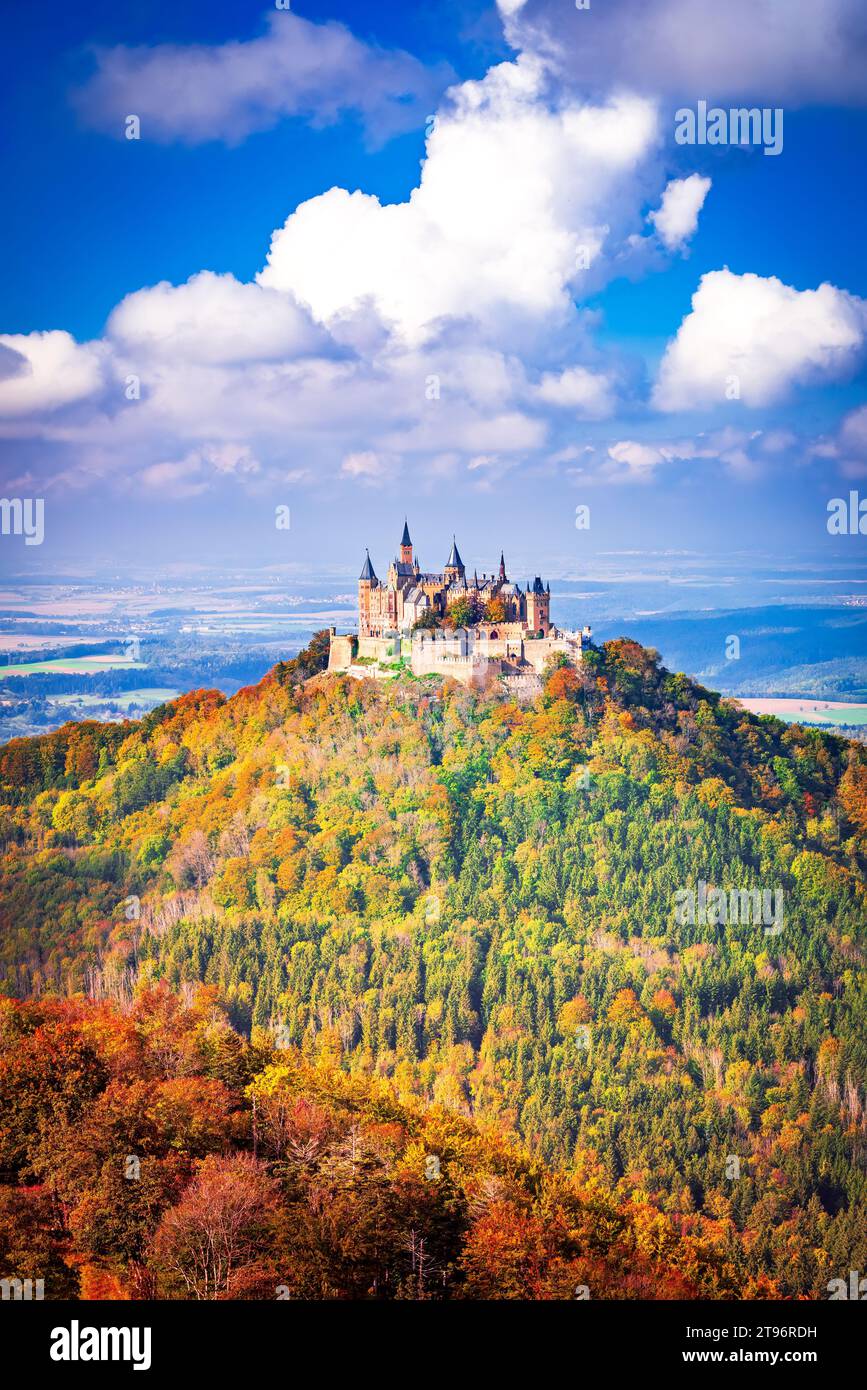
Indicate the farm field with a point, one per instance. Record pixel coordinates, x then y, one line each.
151 695
34 641
816 711
78 665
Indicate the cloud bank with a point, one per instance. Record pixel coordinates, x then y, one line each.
763 51
192 93
447 329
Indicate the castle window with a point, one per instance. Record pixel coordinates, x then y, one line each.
494 635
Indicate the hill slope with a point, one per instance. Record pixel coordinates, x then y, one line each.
490 905
154 1153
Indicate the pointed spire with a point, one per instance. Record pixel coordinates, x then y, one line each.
405 540
502 565
454 561
367 572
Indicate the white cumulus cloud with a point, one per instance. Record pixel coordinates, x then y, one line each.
677 216
44 371
510 191
588 393
214 318
754 339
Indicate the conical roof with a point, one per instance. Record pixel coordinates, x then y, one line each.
367 572
454 561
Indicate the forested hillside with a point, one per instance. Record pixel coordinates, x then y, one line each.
478 902
154 1153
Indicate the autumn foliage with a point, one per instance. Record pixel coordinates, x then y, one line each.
275 955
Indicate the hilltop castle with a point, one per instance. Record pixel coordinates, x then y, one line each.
409 595
473 630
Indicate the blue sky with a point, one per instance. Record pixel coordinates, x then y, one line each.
362 312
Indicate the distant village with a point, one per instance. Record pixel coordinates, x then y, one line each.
475 630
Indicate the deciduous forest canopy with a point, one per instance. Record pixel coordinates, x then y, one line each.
393 973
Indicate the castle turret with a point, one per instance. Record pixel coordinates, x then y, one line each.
367 581
405 545
454 569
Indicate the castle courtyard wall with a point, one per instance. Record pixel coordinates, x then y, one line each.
427 660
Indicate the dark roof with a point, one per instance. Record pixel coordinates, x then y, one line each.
454 561
538 587
405 540
367 572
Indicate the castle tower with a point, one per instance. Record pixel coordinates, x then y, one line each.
502 568
405 545
454 569
366 582
538 607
